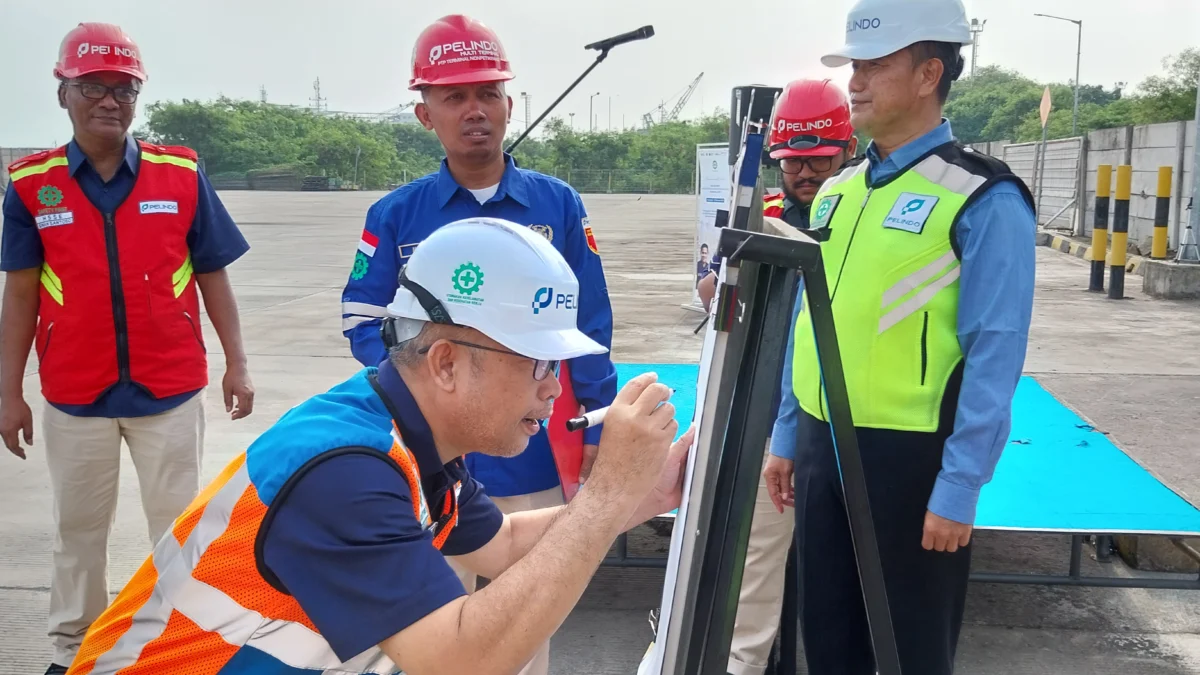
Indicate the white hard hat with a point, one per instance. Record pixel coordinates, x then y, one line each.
876 28
499 278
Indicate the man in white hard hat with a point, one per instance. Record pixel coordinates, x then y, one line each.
930 259
324 547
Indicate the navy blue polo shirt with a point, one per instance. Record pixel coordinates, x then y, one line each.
214 241
346 544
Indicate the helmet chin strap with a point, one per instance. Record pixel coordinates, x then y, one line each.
396 330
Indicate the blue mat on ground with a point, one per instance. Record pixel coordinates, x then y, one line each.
1057 473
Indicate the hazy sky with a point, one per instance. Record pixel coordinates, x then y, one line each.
360 49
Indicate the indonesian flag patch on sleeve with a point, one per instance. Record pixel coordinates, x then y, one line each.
368 243
591 238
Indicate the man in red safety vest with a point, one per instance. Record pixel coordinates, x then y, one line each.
105 243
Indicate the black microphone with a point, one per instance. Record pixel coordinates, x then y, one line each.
607 44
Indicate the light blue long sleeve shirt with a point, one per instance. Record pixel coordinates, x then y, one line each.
995 306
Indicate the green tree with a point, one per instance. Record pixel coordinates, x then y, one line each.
1170 97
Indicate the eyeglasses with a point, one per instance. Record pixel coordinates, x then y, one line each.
96 92
793 165
807 142
541 367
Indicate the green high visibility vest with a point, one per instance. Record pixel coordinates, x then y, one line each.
892 265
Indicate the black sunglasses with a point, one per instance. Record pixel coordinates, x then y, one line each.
96 92
437 314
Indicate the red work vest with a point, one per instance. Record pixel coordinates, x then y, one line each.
773 205
118 300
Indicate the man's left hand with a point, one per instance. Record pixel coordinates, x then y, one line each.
942 534
589 458
668 492
237 385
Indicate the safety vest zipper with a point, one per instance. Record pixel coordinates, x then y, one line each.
838 282
118 298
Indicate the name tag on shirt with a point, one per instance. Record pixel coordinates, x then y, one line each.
54 219
158 207
910 212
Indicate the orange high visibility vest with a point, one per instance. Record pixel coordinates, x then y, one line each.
201 602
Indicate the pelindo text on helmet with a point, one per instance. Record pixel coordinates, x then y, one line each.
464 48
861 24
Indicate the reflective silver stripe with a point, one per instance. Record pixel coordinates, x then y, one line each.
950 176
842 177
916 302
210 609
349 322
371 661
150 620
909 283
363 309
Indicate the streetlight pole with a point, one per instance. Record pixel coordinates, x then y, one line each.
591 119
1078 57
976 29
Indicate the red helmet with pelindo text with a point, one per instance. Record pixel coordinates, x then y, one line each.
811 118
457 49
96 48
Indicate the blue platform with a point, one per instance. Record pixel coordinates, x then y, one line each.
1057 473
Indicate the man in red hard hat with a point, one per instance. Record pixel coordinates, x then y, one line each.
459 66
106 241
812 138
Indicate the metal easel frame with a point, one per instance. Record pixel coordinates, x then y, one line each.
754 314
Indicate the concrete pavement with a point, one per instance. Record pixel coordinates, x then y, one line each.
1130 367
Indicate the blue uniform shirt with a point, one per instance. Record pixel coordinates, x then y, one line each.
214 241
995 307
395 226
345 542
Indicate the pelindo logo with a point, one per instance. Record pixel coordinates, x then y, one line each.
542 299
862 24
811 125
912 206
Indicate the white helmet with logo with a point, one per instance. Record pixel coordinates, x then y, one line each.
499 278
876 28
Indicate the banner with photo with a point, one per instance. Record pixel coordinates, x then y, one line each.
712 193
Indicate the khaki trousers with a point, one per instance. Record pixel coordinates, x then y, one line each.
540 665
761 598
84 458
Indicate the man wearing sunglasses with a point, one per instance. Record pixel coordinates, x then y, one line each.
324 547
105 243
460 68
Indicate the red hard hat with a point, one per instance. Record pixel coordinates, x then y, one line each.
457 49
814 112
98 47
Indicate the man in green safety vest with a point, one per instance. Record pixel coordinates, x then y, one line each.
930 262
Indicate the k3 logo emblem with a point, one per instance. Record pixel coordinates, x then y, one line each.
822 216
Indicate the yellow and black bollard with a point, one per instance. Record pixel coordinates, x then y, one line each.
1120 233
1100 227
1162 209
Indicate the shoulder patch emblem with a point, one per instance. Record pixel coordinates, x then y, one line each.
591 238
822 215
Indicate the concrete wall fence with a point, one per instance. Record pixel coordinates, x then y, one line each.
1067 184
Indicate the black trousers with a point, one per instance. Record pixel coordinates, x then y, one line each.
926 589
